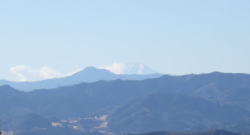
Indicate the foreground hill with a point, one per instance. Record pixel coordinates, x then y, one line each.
212 132
183 103
174 112
88 75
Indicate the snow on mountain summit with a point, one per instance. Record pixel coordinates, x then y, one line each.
129 68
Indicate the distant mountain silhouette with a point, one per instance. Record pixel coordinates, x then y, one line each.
183 103
88 75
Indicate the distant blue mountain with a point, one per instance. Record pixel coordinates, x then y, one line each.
172 103
88 75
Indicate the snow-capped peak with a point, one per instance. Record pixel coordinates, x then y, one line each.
129 68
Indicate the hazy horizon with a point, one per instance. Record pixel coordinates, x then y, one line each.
125 67
171 37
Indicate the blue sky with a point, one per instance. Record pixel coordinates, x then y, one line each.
174 37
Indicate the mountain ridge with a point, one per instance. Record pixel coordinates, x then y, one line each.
88 75
159 100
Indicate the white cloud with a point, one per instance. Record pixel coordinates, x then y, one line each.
117 68
16 70
26 73
128 68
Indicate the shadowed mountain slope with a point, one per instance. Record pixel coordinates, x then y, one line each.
190 102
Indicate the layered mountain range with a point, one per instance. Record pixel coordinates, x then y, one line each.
87 75
188 103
